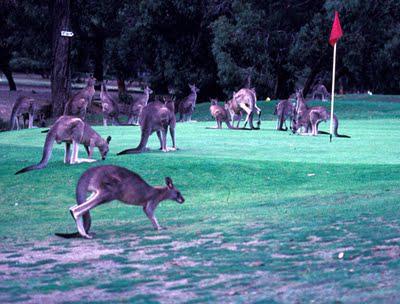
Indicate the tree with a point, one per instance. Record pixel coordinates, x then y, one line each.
61 73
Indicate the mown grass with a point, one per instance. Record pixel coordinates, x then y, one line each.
265 218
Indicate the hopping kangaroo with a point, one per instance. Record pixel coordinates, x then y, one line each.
284 110
73 130
247 100
23 106
155 117
309 118
187 105
320 90
137 106
220 114
77 105
109 107
108 183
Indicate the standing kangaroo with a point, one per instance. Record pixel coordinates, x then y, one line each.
109 183
320 90
137 106
187 105
69 130
109 107
23 106
246 99
77 105
284 110
155 117
220 115
309 118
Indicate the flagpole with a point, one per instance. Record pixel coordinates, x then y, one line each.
333 90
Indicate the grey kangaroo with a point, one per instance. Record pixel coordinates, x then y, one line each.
71 130
246 99
137 106
320 90
284 110
23 106
187 105
77 105
220 114
109 183
309 118
155 117
235 112
109 107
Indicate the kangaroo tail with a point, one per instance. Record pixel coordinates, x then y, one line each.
141 147
45 131
48 146
68 235
336 126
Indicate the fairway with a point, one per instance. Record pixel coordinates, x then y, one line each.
268 216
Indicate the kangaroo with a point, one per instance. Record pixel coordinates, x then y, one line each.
137 106
69 129
235 112
155 117
247 100
309 118
109 183
77 105
284 110
23 106
109 106
187 105
320 90
220 114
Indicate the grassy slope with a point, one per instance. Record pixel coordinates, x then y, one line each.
256 225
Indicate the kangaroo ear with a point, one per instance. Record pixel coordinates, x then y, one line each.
108 139
168 182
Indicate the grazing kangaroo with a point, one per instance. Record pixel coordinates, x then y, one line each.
220 114
77 105
320 90
187 105
284 110
309 118
137 106
109 107
109 183
155 117
247 100
23 106
235 112
73 130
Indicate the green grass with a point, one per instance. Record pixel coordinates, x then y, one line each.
265 218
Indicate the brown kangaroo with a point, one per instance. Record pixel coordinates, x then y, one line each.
309 118
320 90
235 112
73 130
77 105
109 183
284 110
220 114
23 106
137 106
155 117
187 105
247 100
109 107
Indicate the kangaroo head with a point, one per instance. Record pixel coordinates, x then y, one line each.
214 102
173 193
295 125
147 90
104 147
299 93
91 81
193 88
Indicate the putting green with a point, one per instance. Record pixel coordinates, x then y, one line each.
268 216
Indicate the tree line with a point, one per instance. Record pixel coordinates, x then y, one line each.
217 44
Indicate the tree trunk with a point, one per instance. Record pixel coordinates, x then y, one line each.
98 59
61 72
5 68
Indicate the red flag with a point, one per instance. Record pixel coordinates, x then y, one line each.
336 31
